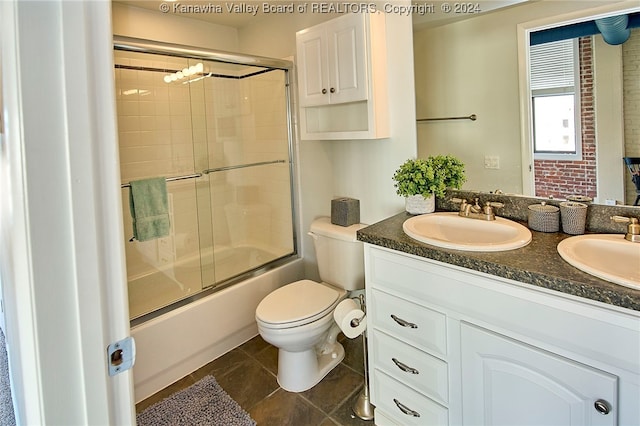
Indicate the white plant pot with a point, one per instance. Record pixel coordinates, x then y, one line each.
417 204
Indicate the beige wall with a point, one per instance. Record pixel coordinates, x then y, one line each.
471 67
170 28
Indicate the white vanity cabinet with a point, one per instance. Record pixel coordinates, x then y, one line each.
448 345
342 85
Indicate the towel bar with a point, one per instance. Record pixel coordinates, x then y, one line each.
217 169
241 166
170 179
471 117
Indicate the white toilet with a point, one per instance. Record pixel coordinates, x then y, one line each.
298 318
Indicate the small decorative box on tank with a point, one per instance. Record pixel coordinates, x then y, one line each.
345 211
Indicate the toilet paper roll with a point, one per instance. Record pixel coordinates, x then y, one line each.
347 311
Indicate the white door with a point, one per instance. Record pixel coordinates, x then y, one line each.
506 382
61 255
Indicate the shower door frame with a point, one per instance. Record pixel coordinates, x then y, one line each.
132 44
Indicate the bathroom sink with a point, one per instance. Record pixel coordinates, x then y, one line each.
606 256
449 230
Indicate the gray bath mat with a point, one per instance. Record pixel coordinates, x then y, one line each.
203 403
7 417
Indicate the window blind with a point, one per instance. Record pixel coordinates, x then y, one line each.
553 65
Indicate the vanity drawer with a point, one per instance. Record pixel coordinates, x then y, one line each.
411 366
414 324
406 406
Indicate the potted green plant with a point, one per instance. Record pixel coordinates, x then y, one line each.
420 180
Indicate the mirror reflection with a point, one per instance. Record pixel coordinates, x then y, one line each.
554 121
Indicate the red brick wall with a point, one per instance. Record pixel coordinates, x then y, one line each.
562 178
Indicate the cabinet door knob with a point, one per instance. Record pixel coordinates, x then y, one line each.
406 410
403 322
332 90
602 407
404 367
324 91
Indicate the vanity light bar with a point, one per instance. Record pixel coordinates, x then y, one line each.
196 69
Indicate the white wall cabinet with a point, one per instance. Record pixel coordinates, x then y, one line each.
448 345
342 89
333 66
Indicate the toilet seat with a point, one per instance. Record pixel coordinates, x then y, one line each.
287 308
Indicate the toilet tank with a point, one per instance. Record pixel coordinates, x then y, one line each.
340 255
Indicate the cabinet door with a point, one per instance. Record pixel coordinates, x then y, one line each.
347 58
313 70
506 382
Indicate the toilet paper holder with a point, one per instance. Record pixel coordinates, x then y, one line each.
356 321
362 407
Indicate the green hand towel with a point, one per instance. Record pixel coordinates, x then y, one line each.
149 208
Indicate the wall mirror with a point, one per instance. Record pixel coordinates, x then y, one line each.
481 66
578 97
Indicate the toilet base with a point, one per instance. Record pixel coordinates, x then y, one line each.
300 371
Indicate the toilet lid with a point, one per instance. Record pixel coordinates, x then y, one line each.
301 301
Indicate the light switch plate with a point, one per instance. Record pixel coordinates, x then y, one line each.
491 162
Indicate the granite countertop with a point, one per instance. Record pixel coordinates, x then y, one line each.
538 263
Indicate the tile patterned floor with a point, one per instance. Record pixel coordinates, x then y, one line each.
248 375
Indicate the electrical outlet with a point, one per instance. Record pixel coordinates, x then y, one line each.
491 162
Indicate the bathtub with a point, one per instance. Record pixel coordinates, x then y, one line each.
173 345
182 279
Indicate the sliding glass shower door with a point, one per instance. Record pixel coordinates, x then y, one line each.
223 130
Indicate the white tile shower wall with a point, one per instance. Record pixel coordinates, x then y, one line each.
155 132
271 131
247 123
154 120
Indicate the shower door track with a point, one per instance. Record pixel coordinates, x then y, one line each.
169 49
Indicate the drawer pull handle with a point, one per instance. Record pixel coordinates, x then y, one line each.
404 367
602 407
406 410
403 322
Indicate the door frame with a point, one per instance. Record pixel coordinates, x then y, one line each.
62 253
523 35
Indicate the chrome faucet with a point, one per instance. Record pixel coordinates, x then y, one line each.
633 229
475 211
